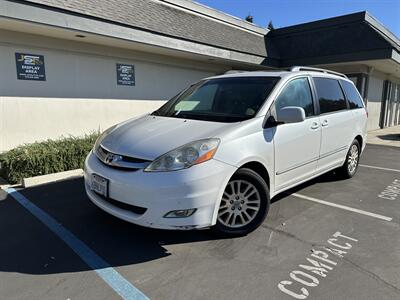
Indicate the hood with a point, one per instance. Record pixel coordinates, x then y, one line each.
149 137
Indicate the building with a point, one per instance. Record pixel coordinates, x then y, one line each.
69 67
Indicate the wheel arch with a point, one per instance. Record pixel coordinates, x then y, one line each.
359 140
260 169
254 165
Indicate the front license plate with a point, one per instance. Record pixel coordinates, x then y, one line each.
99 185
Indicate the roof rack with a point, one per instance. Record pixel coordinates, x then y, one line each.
299 68
234 71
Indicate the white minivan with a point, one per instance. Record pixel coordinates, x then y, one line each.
215 154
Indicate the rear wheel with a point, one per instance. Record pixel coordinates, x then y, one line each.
350 166
244 204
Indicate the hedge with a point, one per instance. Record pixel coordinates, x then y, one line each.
46 157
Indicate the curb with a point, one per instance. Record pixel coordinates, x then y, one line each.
4 184
49 178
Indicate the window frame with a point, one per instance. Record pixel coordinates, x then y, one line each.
317 97
313 98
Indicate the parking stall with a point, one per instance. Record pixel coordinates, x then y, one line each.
327 239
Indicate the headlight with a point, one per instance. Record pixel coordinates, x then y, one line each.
186 156
101 137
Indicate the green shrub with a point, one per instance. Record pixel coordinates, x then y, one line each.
46 157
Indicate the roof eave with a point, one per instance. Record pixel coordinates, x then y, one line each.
382 30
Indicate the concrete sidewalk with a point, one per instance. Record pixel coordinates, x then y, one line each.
388 136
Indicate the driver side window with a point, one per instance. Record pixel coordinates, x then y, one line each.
296 93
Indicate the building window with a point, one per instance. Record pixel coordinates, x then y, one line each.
390 112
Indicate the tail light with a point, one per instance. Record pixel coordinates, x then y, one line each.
366 111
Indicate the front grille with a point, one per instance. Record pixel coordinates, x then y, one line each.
135 209
124 158
120 161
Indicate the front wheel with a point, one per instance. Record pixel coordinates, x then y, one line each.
244 204
350 166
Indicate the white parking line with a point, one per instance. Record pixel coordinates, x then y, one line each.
359 211
115 280
379 168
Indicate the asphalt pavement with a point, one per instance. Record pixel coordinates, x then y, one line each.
327 239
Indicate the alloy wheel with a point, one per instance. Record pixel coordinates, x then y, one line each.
352 159
240 204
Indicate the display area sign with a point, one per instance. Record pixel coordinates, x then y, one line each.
125 74
30 66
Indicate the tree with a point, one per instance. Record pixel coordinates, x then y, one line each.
249 18
270 25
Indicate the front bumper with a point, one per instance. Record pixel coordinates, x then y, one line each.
199 187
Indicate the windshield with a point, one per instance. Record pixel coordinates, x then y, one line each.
221 100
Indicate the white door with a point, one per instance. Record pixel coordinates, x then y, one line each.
296 145
337 123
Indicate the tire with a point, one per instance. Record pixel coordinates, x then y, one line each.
350 166
242 212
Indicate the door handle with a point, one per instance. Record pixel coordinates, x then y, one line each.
314 125
325 123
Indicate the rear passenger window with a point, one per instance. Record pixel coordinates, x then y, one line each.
330 95
352 96
296 93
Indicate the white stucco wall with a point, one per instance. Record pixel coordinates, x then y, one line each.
80 93
81 75
29 119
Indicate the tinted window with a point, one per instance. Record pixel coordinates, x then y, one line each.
352 96
221 99
330 95
296 93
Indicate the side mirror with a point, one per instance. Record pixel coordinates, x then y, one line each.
291 114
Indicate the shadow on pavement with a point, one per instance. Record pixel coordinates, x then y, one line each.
331 176
27 246
390 137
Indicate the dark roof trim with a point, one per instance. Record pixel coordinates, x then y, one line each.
357 17
339 58
378 26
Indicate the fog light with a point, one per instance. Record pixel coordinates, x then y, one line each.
182 213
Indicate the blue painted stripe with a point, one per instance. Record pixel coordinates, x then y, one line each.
118 283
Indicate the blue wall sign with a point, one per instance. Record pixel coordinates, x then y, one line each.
30 66
125 74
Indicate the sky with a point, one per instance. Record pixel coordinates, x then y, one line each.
290 12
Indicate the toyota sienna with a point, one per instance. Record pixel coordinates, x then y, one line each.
215 154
